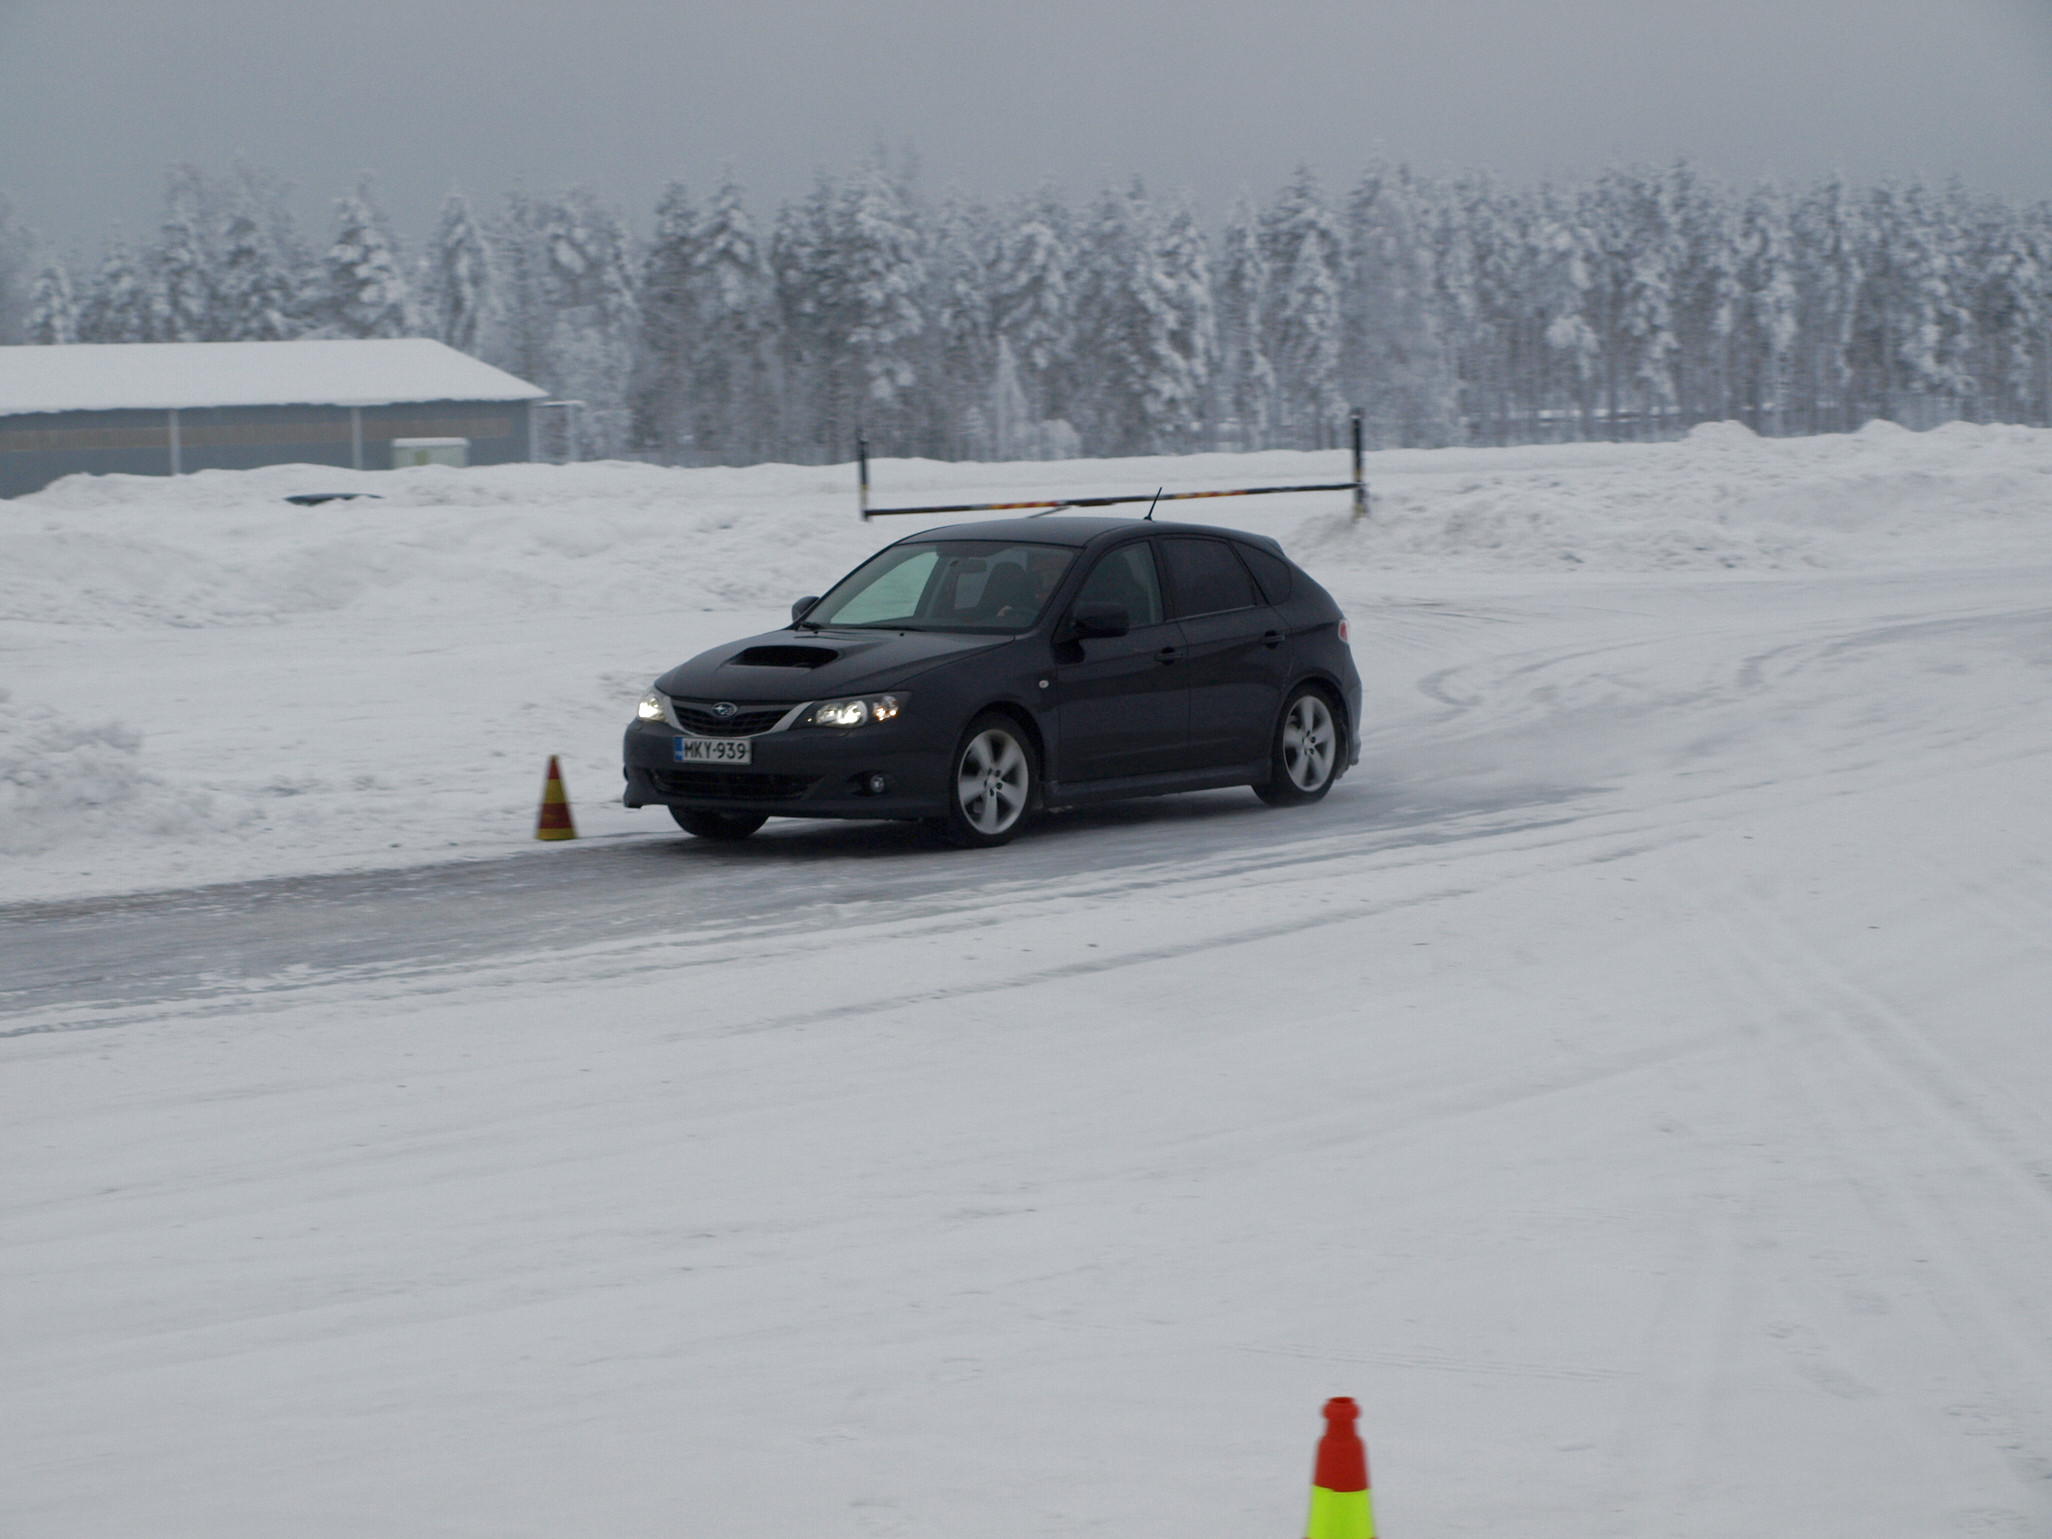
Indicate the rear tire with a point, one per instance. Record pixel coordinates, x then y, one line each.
992 782
1310 746
718 825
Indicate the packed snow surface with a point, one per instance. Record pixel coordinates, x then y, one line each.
206 682
1631 1084
139 376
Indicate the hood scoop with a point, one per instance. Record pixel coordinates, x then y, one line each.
782 657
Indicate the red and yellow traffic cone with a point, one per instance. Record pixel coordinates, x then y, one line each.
554 822
1340 1503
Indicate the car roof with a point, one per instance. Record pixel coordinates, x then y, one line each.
1076 529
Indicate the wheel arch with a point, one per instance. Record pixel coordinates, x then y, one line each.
1023 718
1328 686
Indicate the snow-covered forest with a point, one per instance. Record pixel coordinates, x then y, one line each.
1633 304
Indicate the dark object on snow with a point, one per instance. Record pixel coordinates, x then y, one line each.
972 677
315 499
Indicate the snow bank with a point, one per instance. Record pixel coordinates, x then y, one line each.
68 782
211 682
222 547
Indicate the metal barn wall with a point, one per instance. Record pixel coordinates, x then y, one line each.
38 448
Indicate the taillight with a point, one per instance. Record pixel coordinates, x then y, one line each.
1343 627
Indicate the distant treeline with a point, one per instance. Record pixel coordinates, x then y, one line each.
1630 305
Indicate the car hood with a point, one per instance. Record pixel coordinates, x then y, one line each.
808 665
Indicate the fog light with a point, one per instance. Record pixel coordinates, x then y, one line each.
877 784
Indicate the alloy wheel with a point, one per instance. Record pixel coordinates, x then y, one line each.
1309 743
992 782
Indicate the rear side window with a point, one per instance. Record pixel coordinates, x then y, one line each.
1206 576
1126 577
1270 570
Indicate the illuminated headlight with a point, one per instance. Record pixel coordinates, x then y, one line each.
854 713
651 707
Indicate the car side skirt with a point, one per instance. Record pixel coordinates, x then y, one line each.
1080 793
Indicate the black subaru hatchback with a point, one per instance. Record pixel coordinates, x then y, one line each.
974 675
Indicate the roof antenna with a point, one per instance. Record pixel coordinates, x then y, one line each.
1150 507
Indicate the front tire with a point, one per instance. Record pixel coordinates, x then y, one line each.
1310 745
991 784
718 825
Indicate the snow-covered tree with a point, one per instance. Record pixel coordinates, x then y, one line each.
519 342
2012 287
1456 300
1120 311
589 282
459 290
1713 369
1247 379
1010 418
1034 301
1394 363
1909 352
367 294
52 316
1768 310
1636 251
882 276
1563 294
122 305
1185 276
964 326
1508 355
1831 242
1306 257
1937 342
669 329
733 402
1143 301
17 261
253 293
807 281
184 265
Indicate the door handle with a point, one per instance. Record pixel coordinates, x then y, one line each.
1168 654
1271 639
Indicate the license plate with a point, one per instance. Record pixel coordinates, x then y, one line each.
713 750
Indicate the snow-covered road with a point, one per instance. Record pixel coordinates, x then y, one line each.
1528 712
1632 1084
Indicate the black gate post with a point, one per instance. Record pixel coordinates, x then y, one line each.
1360 486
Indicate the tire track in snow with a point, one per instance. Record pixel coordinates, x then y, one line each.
1979 1266
1655 1452
108 960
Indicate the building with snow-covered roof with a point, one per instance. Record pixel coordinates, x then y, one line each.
163 408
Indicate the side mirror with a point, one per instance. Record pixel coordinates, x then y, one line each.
1100 620
803 607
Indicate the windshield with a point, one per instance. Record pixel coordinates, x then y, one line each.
946 585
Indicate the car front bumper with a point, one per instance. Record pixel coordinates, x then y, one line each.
806 772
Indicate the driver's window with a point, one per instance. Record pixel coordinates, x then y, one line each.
1126 577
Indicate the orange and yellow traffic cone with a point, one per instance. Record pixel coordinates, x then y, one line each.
1340 1503
554 822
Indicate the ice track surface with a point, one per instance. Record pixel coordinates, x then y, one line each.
1632 1084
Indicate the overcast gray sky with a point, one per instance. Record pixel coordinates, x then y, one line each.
97 96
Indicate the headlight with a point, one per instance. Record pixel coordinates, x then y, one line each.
651 707
854 713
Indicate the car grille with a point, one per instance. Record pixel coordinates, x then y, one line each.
743 723
739 785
